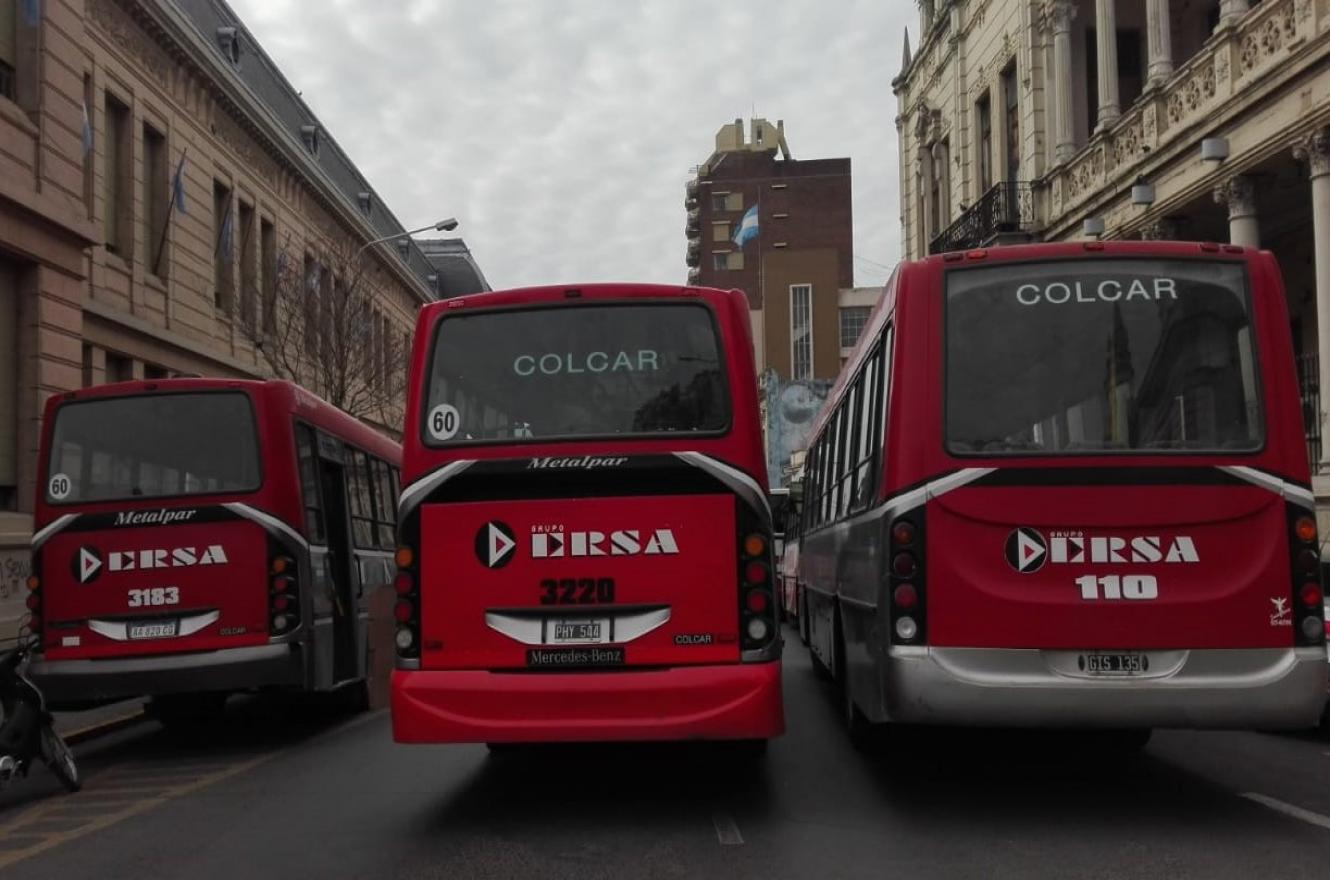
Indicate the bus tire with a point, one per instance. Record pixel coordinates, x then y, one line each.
801 600
856 723
748 749
354 698
187 711
1129 741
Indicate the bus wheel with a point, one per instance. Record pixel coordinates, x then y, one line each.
748 749
184 711
353 698
801 600
1128 742
858 726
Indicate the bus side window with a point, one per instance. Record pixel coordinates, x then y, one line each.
386 515
362 505
309 484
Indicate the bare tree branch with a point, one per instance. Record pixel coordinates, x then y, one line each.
320 324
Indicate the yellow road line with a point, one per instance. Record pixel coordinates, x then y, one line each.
20 827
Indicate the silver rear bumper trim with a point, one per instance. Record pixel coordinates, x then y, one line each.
1234 688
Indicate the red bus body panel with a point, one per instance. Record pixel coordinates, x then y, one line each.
219 564
1213 529
685 574
682 677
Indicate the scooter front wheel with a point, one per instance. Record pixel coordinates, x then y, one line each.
60 759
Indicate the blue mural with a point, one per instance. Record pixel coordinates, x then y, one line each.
788 410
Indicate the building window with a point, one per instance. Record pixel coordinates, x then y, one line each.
309 135
720 261
984 110
717 202
249 265
1012 111
934 194
734 201
8 46
734 260
720 231
223 245
229 42
119 200
268 271
852 321
119 368
801 331
154 197
310 307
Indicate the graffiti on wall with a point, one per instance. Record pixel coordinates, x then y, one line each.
789 408
15 566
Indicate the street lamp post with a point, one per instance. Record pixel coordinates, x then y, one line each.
442 226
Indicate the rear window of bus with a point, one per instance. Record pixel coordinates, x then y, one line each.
153 446
574 371
1093 356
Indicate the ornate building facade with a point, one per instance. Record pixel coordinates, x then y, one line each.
160 180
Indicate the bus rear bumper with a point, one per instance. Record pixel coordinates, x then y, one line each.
71 682
741 701
1256 688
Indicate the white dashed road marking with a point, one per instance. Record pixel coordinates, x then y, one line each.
1289 810
726 831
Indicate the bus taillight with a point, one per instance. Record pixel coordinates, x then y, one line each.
283 598
406 610
905 580
1308 592
757 607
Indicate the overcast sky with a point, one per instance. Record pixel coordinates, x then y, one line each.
561 132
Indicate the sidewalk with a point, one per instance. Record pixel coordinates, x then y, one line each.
77 727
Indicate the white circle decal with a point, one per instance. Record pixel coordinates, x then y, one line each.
59 487
443 421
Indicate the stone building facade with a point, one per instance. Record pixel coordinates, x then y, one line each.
110 269
1023 120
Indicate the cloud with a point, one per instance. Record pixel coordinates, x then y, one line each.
561 134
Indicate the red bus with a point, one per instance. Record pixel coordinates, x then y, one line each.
1066 485
197 537
586 542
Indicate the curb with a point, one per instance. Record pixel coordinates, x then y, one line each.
103 728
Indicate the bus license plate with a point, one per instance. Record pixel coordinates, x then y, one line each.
578 632
1115 664
162 629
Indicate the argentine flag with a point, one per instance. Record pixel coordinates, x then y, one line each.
747 227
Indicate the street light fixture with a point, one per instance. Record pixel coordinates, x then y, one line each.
442 226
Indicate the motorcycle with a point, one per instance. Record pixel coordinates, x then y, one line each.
28 731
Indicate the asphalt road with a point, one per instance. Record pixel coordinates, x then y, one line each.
281 790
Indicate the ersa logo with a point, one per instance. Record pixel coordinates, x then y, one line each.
1027 549
495 544
87 563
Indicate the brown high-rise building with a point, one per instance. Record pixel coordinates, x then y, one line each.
800 260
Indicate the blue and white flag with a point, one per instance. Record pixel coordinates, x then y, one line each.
747 227
178 185
87 131
224 240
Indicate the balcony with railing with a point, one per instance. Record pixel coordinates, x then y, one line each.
1005 212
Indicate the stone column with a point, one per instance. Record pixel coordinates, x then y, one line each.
1232 10
1315 151
1239 194
1163 229
1060 14
1159 37
1106 36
